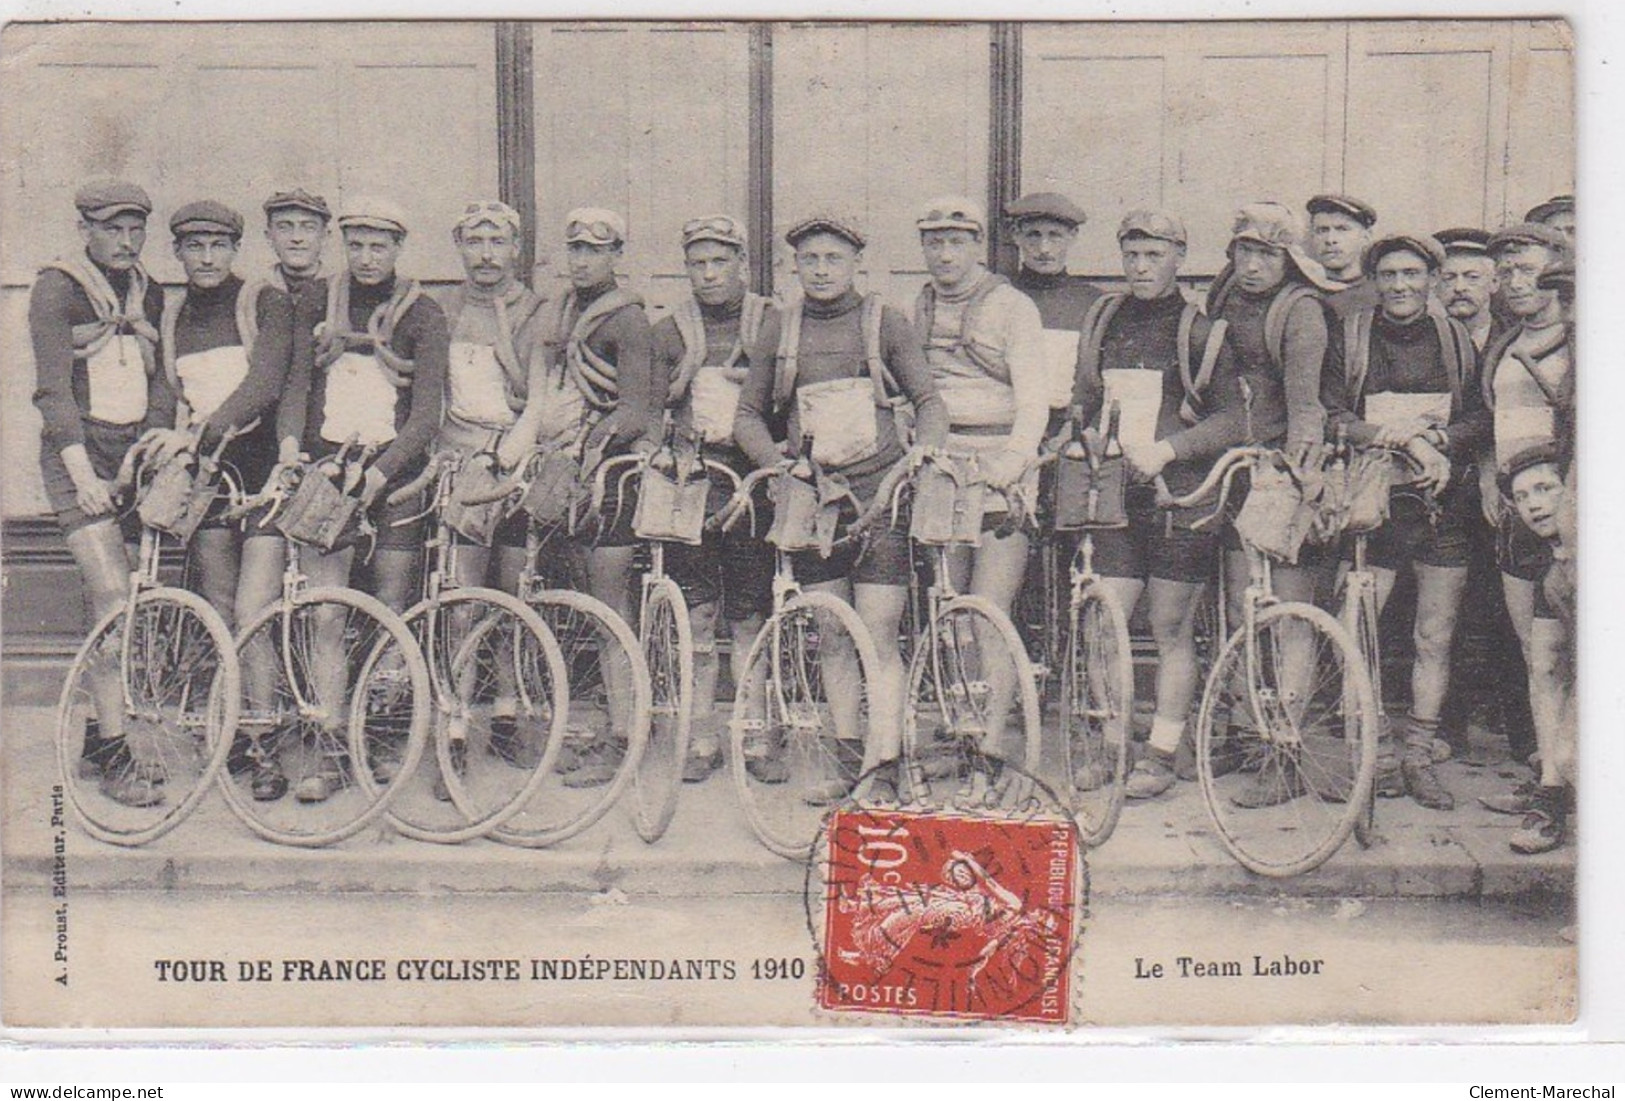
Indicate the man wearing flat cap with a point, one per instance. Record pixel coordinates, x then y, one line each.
93 320
1467 281
601 397
1528 384
1339 234
1164 366
835 368
377 378
1556 212
1045 228
1270 296
296 225
1405 375
702 350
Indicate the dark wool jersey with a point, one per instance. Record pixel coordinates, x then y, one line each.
722 325
208 320
62 388
1286 399
623 338
1062 300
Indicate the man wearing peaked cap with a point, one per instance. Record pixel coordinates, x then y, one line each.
93 321
227 350
296 225
811 371
1404 374
1045 226
702 356
1339 233
1467 281
1154 358
372 212
1556 212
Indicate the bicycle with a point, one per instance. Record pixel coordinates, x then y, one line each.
803 710
496 673
968 665
606 679
335 688
672 493
1289 694
153 692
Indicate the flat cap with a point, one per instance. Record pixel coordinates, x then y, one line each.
840 225
1528 233
723 228
1557 204
1151 223
1360 211
595 226
370 212
206 216
1430 251
1464 240
487 212
1560 278
100 200
298 199
1271 224
952 212
1531 456
1046 204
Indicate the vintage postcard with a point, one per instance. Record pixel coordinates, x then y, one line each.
844 525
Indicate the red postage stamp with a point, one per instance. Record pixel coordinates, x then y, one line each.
948 916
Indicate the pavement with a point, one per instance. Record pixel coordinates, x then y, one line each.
1161 847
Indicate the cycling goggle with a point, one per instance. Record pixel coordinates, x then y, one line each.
719 227
492 213
593 233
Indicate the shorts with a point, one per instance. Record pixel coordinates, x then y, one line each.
1519 552
883 559
1544 608
1153 545
735 567
106 445
1410 536
248 459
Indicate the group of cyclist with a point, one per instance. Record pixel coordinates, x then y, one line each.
1455 348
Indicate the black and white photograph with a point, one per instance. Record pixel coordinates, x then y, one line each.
710 525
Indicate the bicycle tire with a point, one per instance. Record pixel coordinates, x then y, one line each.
380 675
177 649
467 663
668 651
1313 750
1097 705
948 672
582 625
1359 617
784 710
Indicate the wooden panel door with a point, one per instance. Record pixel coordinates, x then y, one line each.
876 120
1427 122
1541 122
650 120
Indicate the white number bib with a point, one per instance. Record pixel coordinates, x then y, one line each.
1060 365
564 412
118 382
1390 410
360 401
1139 395
479 387
209 378
713 399
840 414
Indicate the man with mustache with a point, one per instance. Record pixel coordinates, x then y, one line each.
1467 281
1339 234
1405 374
93 319
1046 227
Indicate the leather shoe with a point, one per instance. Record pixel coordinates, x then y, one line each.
1423 785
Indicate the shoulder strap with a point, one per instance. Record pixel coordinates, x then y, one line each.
1093 338
1356 352
784 370
750 320
167 324
1456 359
691 328
874 309
1218 292
1190 410
597 313
248 313
1494 353
1275 317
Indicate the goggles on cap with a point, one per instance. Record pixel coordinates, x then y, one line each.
719 224
495 212
597 233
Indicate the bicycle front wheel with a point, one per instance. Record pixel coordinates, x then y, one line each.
501 706
336 700
1097 701
1359 618
146 717
801 718
972 709
668 651
1289 707
608 728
